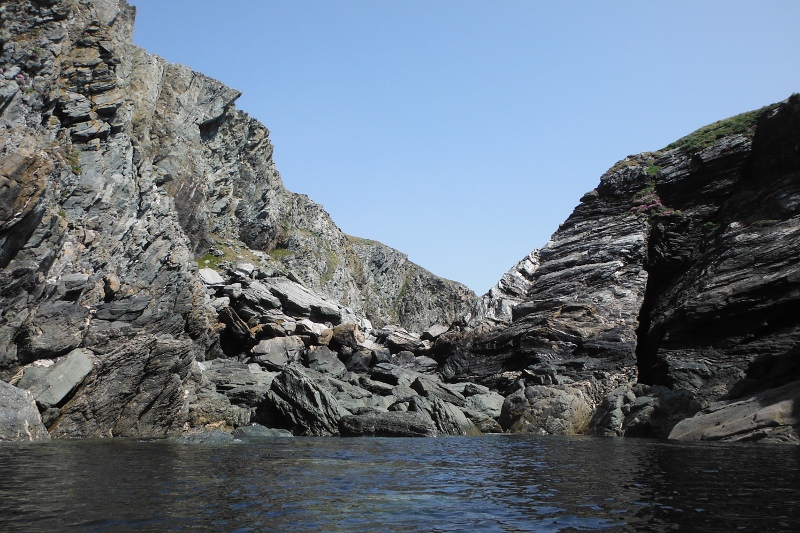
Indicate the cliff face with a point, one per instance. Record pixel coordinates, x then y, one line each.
679 273
118 174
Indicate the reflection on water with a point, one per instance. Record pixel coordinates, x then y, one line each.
501 483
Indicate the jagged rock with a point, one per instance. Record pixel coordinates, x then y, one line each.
278 352
258 297
425 365
51 385
430 388
498 304
304 405
299 301
489 403
546 410
229 374
388 424
360 361
211 277
19 418
393 375
449 419
769 416
402 340
433 332
136 389
120 171
54 329
324 360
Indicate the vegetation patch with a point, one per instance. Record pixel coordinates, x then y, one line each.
225 253
711 227
742 124
648 202
73 159
279 253
359 240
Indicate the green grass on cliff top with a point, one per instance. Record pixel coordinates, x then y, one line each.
706 136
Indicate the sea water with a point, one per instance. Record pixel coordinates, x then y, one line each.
492 483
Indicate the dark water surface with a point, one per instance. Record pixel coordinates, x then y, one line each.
503 483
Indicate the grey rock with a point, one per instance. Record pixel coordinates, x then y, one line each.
324 360
430 388
434 332
278 352
256 431
402 340
769 416
546 410
19 418
305 406
489 403
55 328
449 419
393 375
360 361
388 424
50 386
204 436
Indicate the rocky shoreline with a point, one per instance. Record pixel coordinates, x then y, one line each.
157 279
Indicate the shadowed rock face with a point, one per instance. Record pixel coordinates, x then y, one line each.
680 271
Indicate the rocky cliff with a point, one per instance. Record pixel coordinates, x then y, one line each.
673 286
156 277
120 173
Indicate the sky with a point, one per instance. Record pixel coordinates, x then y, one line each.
464 132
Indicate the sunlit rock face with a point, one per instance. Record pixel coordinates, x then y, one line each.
120 173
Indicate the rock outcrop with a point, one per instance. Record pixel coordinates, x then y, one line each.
120 175
156 278
672 286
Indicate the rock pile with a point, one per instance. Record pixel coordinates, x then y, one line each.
299 362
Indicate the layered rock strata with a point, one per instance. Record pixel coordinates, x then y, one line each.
120 173
671 287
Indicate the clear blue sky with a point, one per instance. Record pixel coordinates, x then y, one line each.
461 132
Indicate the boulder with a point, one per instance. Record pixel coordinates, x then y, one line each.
304 406
211 277
430 388
489 403
401 339
543 410
361 361
324 360
425 365
19 417
769 416
393 375
448 419
55 329
278 352
388 424
348 335
299 301
434 332
51 385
